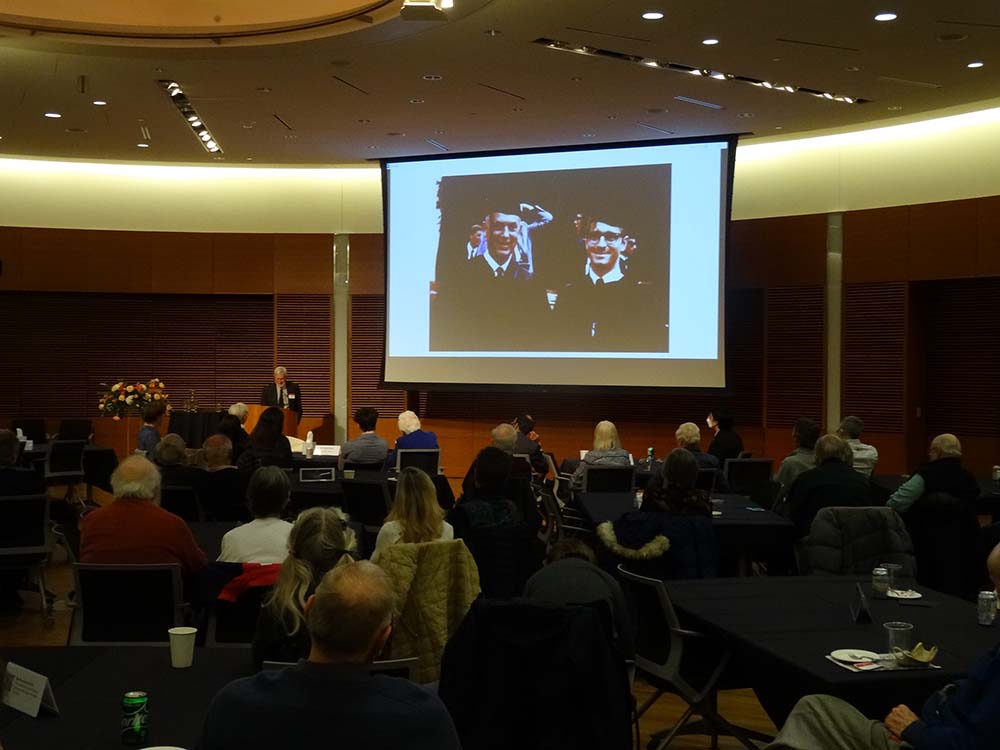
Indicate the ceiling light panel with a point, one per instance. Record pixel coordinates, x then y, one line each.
194 121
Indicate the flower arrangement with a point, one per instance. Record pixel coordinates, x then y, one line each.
118 399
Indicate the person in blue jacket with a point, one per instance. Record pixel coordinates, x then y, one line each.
961 716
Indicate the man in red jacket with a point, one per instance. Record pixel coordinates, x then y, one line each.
134 529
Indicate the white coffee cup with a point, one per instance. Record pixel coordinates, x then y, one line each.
182 647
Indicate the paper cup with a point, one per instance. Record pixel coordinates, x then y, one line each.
182 647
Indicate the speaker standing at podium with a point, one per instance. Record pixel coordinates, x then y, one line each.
284 394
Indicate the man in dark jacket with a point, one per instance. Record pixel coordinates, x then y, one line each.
943 474
962 715
833 483
527 443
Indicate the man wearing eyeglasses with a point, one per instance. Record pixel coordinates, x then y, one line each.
607 310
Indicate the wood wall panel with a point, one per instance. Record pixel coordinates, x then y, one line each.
942 240
367 335
794 354
876 244
243 263
304 335
988 240
873 374
182 262
10 256
963 357
786 251
303 263
367 263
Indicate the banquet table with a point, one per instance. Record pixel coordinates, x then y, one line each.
89 682
312 494
781 628
195 426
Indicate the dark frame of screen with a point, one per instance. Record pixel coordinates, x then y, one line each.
730 139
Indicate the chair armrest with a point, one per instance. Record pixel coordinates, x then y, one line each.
688 633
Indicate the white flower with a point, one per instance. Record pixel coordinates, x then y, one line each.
129 400
156 396
116 386
100 406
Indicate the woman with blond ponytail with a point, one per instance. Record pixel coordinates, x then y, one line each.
319 541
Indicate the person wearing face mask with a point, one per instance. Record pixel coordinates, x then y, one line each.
727 443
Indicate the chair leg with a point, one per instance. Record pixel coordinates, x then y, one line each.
659 741
648 702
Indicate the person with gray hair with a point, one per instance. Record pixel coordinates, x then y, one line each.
349 619
414 437
689 438
220 487
865 456
944 473
283 393
241 411
134 529
504 437
265 539
832 483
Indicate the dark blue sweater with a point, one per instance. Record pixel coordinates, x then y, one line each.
963 716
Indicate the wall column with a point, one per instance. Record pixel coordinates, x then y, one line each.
341 334
834 312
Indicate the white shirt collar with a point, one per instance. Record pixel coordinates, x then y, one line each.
494 265
615 274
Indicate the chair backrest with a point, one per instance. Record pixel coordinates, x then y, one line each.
366 501
706 479
428 460
234 623
744 475
852 541
65 459
608 478
126 604
946 544
75 429
506 556
390 667
33 429
520 466
182 501
24 524
552 530
658 647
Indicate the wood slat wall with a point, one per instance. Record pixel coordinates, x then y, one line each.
794 353
367 332
58 348
873 374
963 357
304 333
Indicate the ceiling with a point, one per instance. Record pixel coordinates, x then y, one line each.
481 81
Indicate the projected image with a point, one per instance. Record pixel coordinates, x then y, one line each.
574 260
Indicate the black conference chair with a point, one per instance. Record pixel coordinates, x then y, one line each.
367 502
64 465
33 429
428 460
233 624
608 478
679 661
27 539
75 429
706 480
182 501
401 668
744 474
131 605
507 556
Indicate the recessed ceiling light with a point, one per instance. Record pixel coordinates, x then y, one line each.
853 68
416 101
142 145
776 59
263 90
885 17
652 15
99 103
588 135
778 127
894 108
249 158
432 77
372 148
710 41
975 64
53 115
493 32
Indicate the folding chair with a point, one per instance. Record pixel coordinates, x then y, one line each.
130 605
660 649
27 539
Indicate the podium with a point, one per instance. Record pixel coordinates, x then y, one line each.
290 428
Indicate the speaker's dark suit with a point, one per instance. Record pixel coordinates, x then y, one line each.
269 396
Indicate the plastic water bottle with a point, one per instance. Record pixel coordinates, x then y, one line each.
650 458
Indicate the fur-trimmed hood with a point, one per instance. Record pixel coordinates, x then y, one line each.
656 547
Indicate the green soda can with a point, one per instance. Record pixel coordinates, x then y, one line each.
135 718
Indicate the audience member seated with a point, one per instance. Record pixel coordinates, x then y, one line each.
220 488
689 437
486 507
726 443
517 489
134 529
236 432
149 433
265 538
503 437
805 433
267 445
965 714
413 437
366 448
944 473
16 481
333 693
607 451
415 516
671 535
172 458
865 456
527 443
571 576
319 540
832 483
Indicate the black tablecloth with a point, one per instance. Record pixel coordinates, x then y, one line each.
89 683
782 628
312 494
98 463
195 426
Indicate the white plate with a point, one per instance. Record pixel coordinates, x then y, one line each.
853 655
904 594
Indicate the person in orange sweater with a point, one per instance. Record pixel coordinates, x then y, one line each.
134 529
